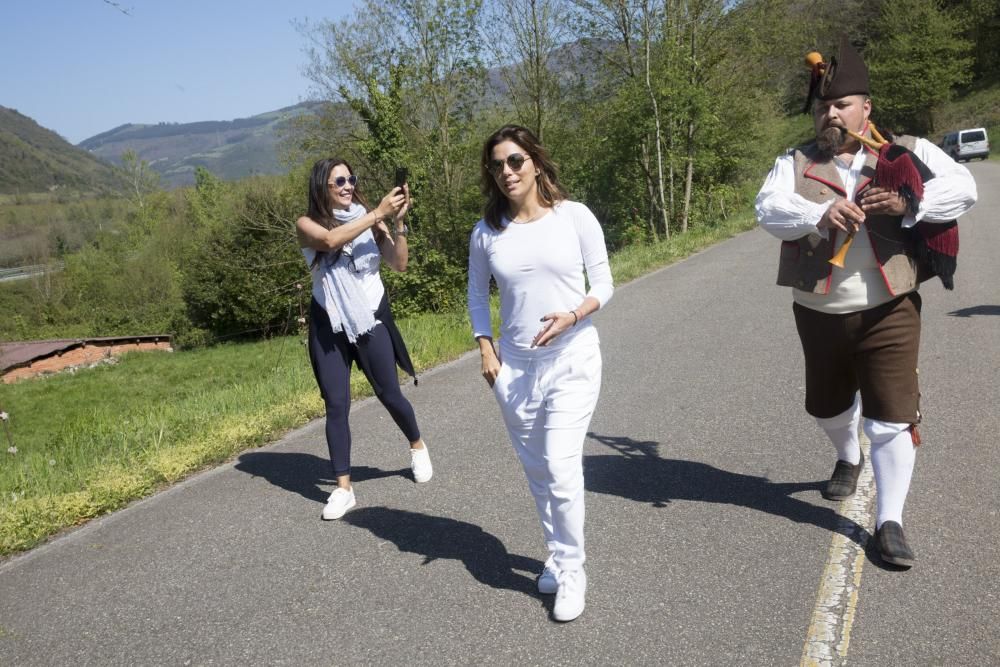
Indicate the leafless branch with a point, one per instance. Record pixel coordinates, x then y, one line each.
116 5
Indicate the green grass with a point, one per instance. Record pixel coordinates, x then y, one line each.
90 442
633 261
980 108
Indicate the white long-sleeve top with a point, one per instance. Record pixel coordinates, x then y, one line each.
859 285
539 269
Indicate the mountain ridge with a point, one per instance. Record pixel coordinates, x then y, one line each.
231 149
36 159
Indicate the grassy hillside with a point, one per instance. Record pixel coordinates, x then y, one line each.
980 108
229 149
34 159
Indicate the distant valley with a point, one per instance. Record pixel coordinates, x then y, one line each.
229 149
51 191
34 159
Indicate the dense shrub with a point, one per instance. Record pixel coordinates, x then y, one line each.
431 282
241 278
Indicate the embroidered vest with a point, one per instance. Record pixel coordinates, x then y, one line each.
804 263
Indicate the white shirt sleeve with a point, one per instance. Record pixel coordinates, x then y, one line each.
595 256
478 293
948 195
783 212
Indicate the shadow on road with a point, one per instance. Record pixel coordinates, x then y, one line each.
638 473
305 474
975 310
435 537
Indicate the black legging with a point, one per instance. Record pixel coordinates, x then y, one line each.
332 355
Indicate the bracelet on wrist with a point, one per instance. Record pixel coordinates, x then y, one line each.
576 318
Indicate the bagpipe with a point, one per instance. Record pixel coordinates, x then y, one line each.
899 170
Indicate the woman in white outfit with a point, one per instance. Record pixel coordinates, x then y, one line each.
537 245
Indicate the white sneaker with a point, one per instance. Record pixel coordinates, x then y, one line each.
340 501
548 580
420 463
571 595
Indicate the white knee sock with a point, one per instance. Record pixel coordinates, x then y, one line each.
893 458
843 432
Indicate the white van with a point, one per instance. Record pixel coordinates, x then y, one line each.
967 144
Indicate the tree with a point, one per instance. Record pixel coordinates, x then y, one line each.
916 64
383 147
434 47
137 179
622 32
242 278
650 17
980 24
525 36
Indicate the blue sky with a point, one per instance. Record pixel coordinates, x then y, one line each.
80 67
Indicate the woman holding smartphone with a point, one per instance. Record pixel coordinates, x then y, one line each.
350 321
538 245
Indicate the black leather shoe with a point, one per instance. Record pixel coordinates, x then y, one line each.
892 545
844 481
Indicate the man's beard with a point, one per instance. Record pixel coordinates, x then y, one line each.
830 141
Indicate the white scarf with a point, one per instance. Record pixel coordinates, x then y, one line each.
342 289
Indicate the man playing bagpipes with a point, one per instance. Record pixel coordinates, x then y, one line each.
890 208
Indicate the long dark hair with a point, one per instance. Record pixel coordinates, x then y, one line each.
320 210
549 189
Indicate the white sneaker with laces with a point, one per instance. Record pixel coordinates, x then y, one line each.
571 595
548 580
340 501
420 463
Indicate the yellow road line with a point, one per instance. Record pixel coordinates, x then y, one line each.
829 633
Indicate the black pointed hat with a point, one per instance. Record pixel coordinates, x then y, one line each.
844 75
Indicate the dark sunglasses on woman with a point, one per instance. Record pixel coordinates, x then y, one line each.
341 180
515 161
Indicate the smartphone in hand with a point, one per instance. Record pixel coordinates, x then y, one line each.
401 175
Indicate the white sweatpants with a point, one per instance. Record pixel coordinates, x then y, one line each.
547 398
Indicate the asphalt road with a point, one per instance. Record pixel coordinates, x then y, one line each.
708 540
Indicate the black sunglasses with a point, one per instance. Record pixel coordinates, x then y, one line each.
341 180
515 161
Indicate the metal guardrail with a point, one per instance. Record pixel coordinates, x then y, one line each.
22 272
